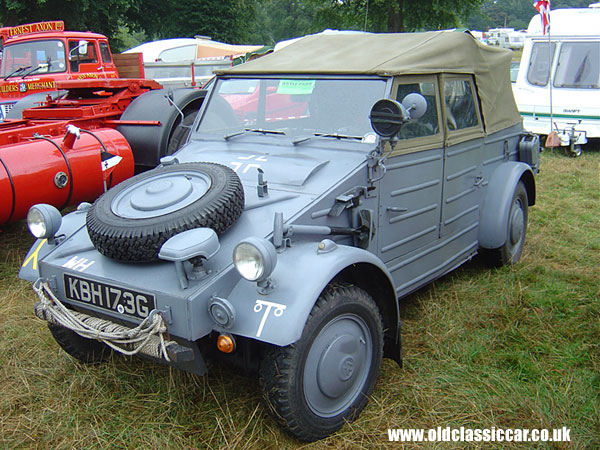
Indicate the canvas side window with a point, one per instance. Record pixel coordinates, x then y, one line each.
538 71
427 125
459 102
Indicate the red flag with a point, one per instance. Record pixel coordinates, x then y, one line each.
543 7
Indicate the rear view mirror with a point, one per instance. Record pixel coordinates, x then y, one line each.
415 105
82 47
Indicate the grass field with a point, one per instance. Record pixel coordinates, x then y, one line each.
515 347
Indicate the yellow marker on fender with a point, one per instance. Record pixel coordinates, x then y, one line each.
34 255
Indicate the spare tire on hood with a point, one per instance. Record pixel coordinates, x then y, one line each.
131 221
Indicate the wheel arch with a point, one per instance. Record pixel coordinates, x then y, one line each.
496 204
295 299
150 143
376 283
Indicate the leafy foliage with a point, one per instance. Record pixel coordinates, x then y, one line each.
513 13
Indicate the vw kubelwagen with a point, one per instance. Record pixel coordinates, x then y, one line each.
283 234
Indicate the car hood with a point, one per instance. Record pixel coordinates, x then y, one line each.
301 180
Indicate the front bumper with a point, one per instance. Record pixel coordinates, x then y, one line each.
149 338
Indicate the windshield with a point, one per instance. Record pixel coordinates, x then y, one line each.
47 56
292 106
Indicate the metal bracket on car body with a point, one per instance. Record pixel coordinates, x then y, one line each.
350 199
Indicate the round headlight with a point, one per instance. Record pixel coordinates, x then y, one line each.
43 221
255 258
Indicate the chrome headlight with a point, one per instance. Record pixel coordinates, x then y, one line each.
43 220
255 258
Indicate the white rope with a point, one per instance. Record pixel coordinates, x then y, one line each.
113 335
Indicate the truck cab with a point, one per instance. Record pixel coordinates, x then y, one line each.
35 56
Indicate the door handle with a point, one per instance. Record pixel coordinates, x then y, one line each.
396 209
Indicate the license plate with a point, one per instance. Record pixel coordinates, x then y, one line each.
112 298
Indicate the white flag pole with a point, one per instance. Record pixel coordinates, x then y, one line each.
550 71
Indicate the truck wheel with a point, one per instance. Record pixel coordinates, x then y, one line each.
150 143
182 131
511 251
32 100
312 387
88 351
131 221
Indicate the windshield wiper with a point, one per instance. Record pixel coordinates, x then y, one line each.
251 130
300 139
16 71
35 69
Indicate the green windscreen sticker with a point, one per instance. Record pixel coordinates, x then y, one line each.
296 87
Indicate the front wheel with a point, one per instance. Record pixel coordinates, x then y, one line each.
314 386
88 351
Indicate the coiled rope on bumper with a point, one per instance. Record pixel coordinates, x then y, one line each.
128 341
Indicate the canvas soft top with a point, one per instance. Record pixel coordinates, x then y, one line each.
393 54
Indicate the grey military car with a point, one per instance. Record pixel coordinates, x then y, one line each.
319 185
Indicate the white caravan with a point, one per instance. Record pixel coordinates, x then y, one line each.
571 81
506 38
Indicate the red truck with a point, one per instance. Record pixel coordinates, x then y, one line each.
37 55
79 126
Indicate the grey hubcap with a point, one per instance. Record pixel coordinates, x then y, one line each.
517 222
337 365
160 194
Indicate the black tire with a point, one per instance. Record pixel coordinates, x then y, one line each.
298 382
181 131
119 229
516 229
88 351
150 143
32 100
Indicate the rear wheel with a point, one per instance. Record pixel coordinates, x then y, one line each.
314 386
516 227
88 351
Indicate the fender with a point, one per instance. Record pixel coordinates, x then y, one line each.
300 276
30 268
149 143
497 202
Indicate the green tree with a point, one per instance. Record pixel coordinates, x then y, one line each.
223 20
99 16
396 16
513 13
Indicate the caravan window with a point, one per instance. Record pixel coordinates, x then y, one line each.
538 72
578 65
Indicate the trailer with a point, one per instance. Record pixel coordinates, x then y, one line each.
71 145
558 86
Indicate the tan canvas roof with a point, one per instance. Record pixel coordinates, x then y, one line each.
401 54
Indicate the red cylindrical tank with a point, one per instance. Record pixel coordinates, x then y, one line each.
47 171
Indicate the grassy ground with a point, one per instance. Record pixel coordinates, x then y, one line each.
514 347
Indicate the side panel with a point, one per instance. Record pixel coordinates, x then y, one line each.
409 212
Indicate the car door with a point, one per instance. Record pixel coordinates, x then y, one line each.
411 190
463 171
